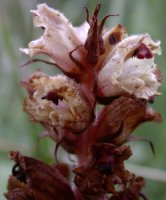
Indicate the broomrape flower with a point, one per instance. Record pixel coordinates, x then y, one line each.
99 66
130 68
56 101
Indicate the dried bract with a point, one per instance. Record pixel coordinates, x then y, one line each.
119 119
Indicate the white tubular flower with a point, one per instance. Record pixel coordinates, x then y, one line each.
130 69
57 101
59 38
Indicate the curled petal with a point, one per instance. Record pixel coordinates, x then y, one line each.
130 69
119 119
57 101
58 40
33 179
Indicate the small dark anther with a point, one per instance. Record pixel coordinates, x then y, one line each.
105 168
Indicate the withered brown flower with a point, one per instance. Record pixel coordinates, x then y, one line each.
57 101
103 169
34 180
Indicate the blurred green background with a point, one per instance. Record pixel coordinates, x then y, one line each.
16 30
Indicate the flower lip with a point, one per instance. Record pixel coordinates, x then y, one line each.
143 52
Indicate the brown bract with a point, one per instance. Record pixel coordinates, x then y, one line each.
34 180
119 119
94 43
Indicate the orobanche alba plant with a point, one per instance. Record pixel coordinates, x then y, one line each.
108 80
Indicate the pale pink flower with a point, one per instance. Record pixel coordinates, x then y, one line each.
130 69
59 38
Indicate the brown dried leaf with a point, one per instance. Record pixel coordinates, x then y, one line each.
34 180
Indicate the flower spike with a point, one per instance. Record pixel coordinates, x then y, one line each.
91 110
